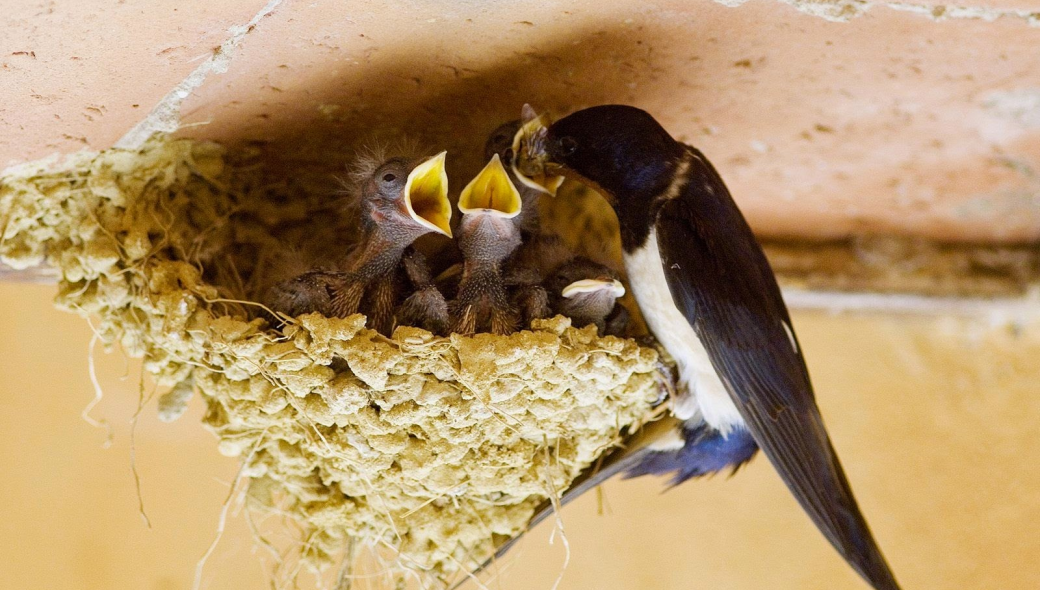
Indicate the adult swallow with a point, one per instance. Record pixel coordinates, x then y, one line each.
400 200
708 294
487 235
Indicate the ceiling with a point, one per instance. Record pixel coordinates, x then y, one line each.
826 118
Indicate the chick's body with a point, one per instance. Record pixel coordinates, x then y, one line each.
487 235
426 307
306 293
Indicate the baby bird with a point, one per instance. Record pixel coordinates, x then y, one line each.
400 200
538 253
487 236
587 292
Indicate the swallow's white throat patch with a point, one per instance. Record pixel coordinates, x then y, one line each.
701 390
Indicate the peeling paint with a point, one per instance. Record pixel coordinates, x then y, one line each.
846 10
832 10
943 12
1021 106
165 117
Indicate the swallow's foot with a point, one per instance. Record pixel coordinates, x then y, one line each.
664 370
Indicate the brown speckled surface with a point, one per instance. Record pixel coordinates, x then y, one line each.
891 122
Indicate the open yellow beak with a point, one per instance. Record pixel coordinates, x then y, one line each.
492 192
426 195
593 285
529 163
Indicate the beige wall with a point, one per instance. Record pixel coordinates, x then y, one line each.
936 421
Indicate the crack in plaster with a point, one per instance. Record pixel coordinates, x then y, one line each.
846 10
166 115
947 12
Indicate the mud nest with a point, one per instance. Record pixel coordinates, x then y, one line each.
436 449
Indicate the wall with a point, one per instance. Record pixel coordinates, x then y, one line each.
935 420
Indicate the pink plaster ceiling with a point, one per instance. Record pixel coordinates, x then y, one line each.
80 74
890 122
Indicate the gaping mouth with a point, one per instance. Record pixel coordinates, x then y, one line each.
612 286
530 160
491 192
426 195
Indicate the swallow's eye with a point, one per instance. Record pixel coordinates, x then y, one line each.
389 177
568 145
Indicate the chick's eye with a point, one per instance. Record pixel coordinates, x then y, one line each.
568 145
389 177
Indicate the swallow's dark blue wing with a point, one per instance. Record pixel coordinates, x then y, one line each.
719 278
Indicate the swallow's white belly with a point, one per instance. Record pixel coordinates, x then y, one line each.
709 398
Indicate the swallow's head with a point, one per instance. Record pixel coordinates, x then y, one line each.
585 291
409 196
600 286
619 150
